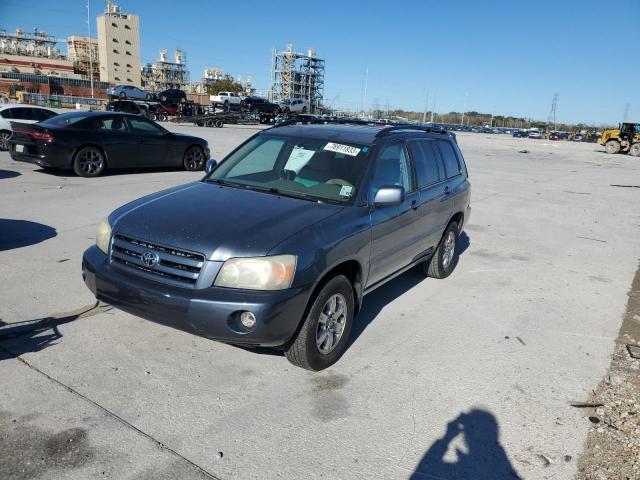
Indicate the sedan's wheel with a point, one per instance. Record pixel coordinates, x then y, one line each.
4 140
633 151
194 159
444 260
89 162
324 334
123 95
612 146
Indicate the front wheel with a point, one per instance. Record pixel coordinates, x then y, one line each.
324 334
194 159
4 140
444 260
89 162
612 146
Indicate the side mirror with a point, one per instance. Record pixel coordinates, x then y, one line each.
210 165
388 196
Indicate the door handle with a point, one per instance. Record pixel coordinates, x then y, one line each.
447 190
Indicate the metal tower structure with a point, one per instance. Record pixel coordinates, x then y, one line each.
297 76
164 74
36 44
552 112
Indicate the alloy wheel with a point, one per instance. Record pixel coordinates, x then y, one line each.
91 161
194 159
4 140
331 323
449 249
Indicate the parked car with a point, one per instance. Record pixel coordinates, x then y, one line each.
128 91
128 106
535 134
172 96
520 134
260 105
280 242
91 142
22 113
294 106
225 99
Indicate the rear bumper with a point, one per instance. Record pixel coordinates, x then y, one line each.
51 155
210 312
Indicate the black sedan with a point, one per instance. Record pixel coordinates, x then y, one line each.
91 142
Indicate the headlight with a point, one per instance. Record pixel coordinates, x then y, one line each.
257 273
103 235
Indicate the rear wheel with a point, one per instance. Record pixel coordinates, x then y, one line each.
194 159
304 109
219 124
612 146
635 149
324 334
444 260
5 135
89 162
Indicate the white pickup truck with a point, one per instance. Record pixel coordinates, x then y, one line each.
225 99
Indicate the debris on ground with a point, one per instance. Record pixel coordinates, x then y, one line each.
612 449
523 151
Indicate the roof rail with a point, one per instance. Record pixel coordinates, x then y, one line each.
321 120
409 126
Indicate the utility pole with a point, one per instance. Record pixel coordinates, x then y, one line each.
426 107
90 44
433 109
626 112
552 113
364 96
464 107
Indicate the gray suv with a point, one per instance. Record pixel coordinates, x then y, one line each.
279 243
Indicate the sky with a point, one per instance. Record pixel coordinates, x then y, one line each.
505 58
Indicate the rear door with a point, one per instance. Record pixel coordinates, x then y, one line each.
394 229
456 174
435 205
153 147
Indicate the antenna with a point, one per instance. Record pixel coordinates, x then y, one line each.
552 112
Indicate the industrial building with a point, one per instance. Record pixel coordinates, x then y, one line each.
119 46
297 76
32 53
83 53
164 74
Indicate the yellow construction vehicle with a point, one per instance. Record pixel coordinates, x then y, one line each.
625 139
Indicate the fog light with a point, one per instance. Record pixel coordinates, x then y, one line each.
248 319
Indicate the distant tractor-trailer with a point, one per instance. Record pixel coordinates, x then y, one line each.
625 139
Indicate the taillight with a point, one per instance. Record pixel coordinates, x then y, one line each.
37 135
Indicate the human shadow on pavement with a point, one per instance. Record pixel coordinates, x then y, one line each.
481 457
22 233
8 174
17 338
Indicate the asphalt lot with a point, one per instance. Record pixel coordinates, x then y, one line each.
443 377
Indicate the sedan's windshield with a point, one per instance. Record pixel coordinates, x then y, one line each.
308 168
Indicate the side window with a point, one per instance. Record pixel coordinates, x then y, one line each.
42 114
7 113
392 168
450 160
426 163
262 159
144 127
111 124
23 114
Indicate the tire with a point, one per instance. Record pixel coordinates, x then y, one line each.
193 159
148 96
635 150
209 123
304 109
5 135
612 146
153 117
122 96
445 259
305 350
89 162
287 110
219 124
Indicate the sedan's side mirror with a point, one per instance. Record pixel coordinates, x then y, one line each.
210 165
388 196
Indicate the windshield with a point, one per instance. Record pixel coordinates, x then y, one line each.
66 119
309 168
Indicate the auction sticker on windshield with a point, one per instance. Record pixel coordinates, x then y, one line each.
339 148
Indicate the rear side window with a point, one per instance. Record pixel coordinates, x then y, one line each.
7 113
426 163
42 114
22 114
450 159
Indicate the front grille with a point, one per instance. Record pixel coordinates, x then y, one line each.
175 267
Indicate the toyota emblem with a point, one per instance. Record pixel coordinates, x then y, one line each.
150 259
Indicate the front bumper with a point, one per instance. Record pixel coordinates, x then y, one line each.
209 312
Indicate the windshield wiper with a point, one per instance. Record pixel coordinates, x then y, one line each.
284 193
220 181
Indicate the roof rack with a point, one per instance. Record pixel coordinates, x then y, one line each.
385 130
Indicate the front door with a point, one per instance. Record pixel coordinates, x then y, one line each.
394 229
153 150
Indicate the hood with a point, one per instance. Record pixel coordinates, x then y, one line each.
220 222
